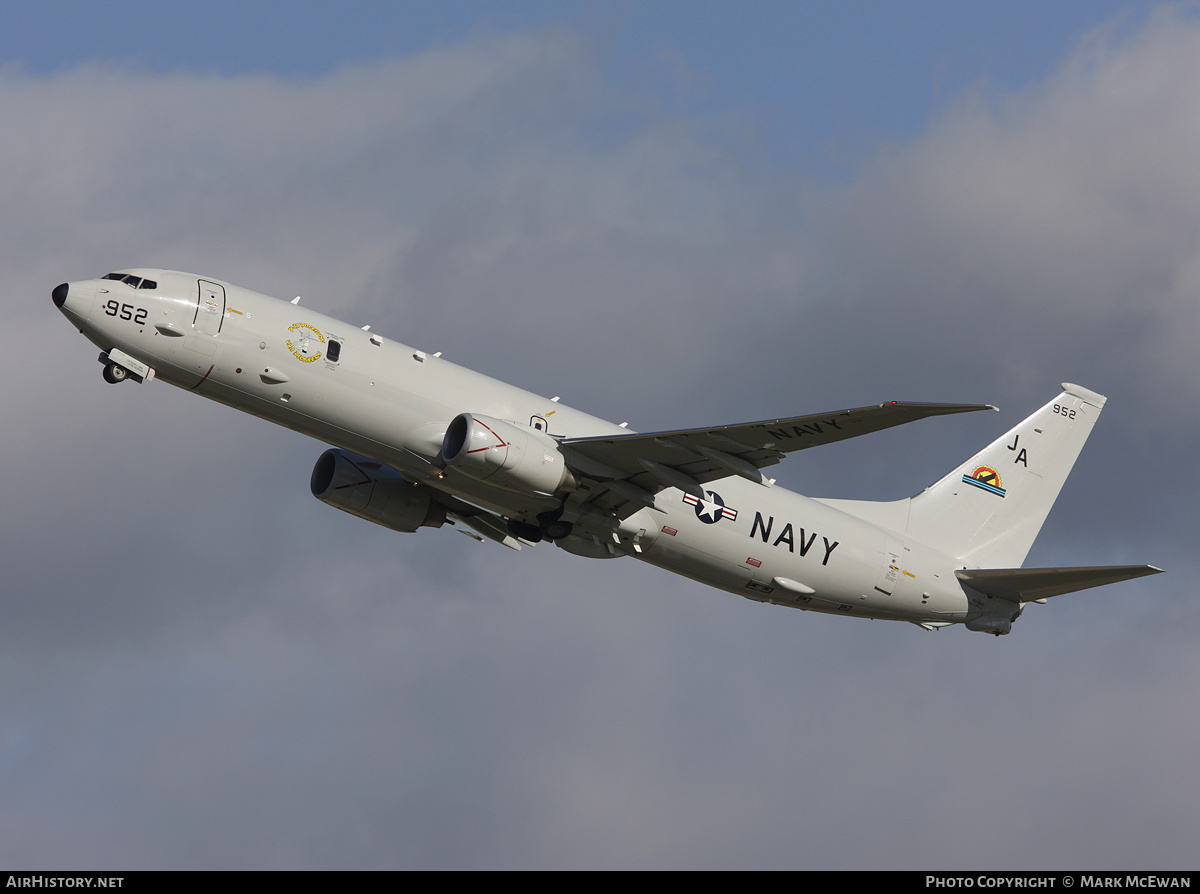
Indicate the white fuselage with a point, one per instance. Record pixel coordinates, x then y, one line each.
392 403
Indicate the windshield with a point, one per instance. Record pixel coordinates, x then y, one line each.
135 282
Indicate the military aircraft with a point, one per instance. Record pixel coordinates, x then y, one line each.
421 442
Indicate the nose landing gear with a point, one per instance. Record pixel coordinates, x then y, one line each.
114 373
119 366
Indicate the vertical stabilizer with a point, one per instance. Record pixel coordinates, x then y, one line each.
989 510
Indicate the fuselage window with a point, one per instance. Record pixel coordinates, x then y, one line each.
334 351
148 284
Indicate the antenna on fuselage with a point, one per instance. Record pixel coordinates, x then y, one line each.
296 300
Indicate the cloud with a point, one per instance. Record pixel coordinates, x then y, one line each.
1058 223
203 667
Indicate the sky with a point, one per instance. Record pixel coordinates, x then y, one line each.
670 214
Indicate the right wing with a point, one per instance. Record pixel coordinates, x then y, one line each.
633 467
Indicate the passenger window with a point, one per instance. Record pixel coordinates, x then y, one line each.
334 352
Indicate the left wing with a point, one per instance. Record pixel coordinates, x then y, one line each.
638 465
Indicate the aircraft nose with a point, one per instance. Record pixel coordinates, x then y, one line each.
74 299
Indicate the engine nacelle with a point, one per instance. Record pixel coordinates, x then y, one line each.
510 456
374 491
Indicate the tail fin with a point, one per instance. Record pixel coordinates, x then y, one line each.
989 510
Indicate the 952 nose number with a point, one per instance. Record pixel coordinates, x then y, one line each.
114 308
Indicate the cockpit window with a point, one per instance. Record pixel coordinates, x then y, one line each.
134 282
129 279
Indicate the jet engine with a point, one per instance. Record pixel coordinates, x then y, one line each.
514 457
374 491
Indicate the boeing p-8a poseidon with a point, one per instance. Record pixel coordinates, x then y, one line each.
420 442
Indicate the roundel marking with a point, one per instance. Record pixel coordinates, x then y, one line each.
710 511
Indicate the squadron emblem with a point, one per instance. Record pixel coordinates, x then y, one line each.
987 478
305 342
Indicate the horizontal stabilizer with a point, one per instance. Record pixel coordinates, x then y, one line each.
1031 584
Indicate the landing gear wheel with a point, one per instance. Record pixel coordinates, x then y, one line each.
557 530
114 373
552 526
